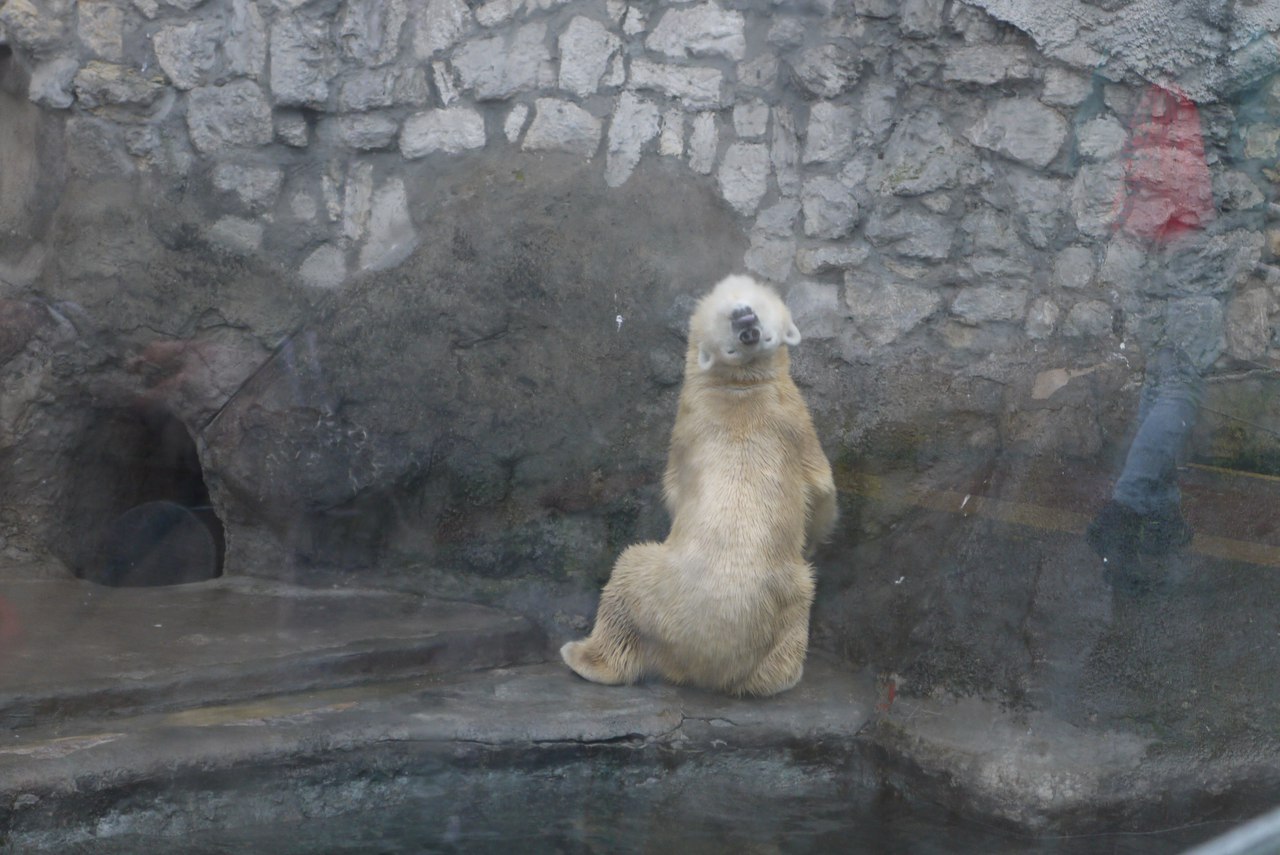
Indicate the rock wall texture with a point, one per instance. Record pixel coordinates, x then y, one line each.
414 275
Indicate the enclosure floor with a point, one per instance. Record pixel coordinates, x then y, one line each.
132 713
71 649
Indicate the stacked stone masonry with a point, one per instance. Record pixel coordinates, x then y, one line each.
960 162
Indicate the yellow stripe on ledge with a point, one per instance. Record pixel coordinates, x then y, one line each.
1045 518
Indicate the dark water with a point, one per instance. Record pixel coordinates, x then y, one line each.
725 805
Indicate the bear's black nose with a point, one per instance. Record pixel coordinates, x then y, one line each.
745 324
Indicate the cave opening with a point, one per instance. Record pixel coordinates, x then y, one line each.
140 512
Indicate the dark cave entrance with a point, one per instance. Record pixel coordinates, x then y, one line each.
140 512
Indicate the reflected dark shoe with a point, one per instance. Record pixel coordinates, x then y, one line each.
1114 533
1164 532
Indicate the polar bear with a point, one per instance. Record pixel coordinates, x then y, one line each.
723 603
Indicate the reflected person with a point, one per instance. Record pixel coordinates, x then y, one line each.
1144 513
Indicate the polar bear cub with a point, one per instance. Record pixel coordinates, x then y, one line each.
723 603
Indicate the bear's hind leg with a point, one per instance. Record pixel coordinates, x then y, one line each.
783 666
612 654
590 663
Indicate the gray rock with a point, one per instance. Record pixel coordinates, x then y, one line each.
703 143
241 236
825 70
779 219
100 27
878 106
750 119
383 87
1207 263
392 236
1248 324
1042 318
702 30
496 12
921 19
1043 204
325 267
910 233
1073 268
813 261
93 148
301 61
921 156
29 27
586 47
760 73
1095 194
816 309
696 87
451 130
357 201
446 85
991 232
256 187
743 176
786 32
830 210
830 134
1065 88
671 137
51 83
982 304
303 207
438 25
634 20
1102 138
770 256
223 117
245 47
369 30
634 123
103 84
988 65
879 8
1236 191
1021 129
1123 267
497 68
291 129
560 125
1089 319
514 124
1198 326
784 152
884 311
367 131
190 53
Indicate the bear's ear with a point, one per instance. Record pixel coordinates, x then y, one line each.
792 333
705 357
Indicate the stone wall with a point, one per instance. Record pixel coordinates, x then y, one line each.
414 275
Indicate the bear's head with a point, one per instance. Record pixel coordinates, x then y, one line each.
739 322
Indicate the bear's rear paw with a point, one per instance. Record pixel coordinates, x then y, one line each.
587 663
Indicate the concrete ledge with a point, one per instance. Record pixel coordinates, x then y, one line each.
83 650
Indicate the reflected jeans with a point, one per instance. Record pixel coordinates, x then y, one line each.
1166 413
